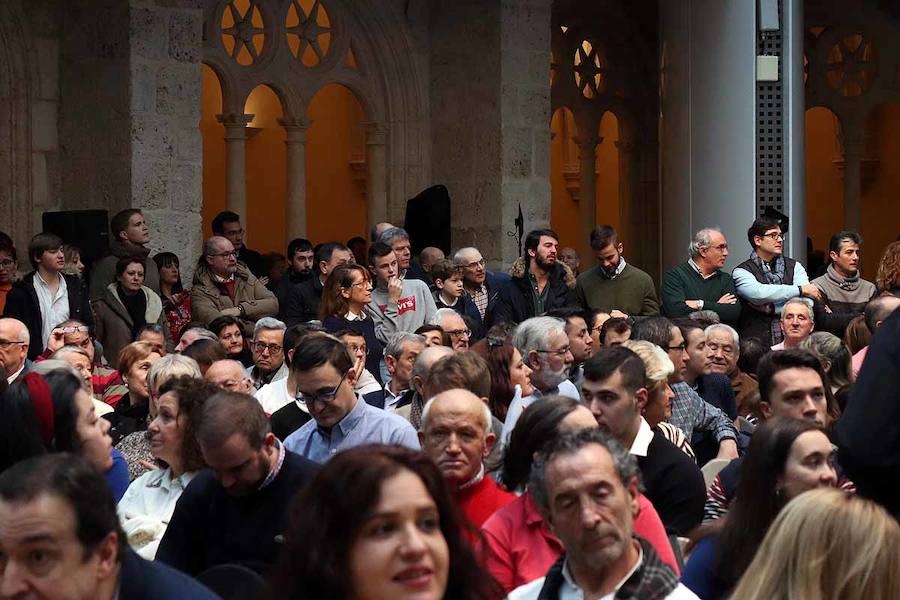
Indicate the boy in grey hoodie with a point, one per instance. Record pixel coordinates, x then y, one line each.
399 304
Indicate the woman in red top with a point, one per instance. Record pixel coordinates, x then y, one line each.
519 546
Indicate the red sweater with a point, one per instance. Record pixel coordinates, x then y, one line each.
481 500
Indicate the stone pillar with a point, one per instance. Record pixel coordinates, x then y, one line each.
295 142
376 171
235 161
587 201
854 146
629 198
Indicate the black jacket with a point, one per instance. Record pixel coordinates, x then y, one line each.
253 260
377 398
302 302
288 282
22 304
149 580
514 303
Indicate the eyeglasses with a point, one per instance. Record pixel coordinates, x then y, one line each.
681 346
561 352
720 247
774 236
75 329
475 264
459 332
233 253
8 263
4 344
323 397
262 347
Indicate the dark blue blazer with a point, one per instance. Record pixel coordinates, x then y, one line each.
145 580
376 398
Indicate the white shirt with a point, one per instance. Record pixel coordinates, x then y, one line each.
13 377
54 309
273 396
516 406
147 507
569 590
641 444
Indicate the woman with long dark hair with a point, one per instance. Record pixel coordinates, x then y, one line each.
345 305
510 376
176 300
786 458
378 522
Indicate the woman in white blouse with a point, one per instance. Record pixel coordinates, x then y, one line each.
147 505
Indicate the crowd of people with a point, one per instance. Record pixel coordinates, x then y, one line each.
353 421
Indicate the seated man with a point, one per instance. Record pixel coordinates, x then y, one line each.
235 511
603 557
225 287
614 389
325 376
268 352
713 387
723 350
229 375
456 434
399 356
60 537
614 331
452 324
14 340
796 324
427 358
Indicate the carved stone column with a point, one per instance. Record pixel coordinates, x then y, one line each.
235 161
854 146
295 146
376 162
587 202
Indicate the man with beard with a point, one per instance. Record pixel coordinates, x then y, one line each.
603 557
300 268
545 348
615 286
235 511
615 391
539 283
844 293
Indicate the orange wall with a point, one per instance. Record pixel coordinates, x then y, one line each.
336 204
564 156
881 200
266 173
824 182
213 134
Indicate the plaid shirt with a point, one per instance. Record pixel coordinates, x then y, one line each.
480 298
692 413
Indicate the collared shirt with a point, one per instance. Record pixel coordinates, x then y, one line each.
391 399
565 388
690 413
54 309
273 396
538 296
699 271
220 279
12 377
260 379
364 424
352 316
619 268
641 444
570 589
480 298
476 479
276 468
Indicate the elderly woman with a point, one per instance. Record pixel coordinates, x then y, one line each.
836 356
131 411
148 504
136 446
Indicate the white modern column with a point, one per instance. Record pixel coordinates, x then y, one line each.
295 146
587 201
376 171
235 161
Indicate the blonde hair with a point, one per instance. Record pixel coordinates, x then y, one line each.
826 545
657 363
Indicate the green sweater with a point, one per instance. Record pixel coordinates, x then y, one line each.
631 292
682 282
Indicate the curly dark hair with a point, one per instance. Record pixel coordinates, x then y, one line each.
498 353
888 277
327 516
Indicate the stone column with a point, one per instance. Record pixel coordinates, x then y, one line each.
235 161
376 165
587 202
629 197
854 145
295 142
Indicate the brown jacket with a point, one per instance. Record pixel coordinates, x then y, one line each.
113 324
209 298
745 388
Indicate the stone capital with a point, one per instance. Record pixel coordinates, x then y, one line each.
295 129
587 145
235 125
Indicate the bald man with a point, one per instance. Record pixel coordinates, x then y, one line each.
14 340
412 412
229 375
456 434
427 258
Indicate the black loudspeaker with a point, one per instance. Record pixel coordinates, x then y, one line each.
87 229
428 219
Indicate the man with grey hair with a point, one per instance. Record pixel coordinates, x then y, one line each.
225 287
14 340
398 240
412 412
456 434
399 357
797 323
268 353
544 346
603 557
481 285
192 335
454 326
723 349
700 283
378 229
230 375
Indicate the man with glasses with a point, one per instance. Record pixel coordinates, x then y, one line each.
454 326
14 349
545 348
268 353
325 376
223 286
480 285
700 283
766 281
228 225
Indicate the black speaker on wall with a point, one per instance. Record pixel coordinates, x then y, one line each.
428 219
87 229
